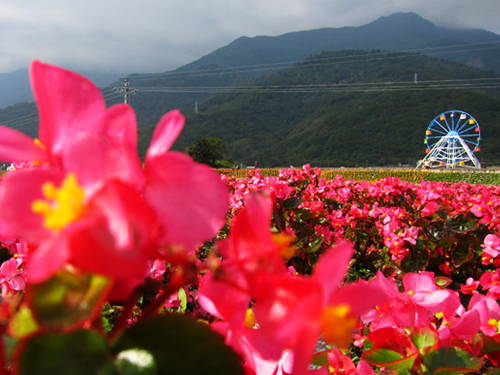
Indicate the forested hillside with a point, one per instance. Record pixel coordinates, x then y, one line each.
155 94
349 108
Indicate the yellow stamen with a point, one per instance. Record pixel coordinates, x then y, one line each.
440 315
493 322
411 292
39 144
250 320
61 206
336 325
285 242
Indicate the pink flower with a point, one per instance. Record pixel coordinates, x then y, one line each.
491 245
342 364
295 310
489 313
12 276
156 269
490 281
412 308
464 327
87 201
430 208
470 286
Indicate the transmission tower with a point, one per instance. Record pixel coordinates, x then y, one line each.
125 89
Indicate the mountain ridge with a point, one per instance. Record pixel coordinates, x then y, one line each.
400 31
368 111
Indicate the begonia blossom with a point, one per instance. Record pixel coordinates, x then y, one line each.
87 201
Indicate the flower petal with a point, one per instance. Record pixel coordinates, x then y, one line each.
47 259
95 162
332 268
16 147
223 300
189 198
120 127
68 103
18 191
166 132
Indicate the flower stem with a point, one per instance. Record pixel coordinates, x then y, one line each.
125 314
166 291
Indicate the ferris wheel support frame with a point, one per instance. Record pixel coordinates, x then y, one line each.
453 153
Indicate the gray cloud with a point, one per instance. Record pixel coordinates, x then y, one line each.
159 35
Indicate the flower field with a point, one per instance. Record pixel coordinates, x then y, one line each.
437 234
111 266
489 177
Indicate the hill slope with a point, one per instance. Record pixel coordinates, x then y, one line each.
351 108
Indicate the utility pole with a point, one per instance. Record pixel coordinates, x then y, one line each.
415 80
125 89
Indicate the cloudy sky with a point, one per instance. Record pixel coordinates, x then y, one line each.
144 36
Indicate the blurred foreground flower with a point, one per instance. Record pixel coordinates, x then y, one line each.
87 201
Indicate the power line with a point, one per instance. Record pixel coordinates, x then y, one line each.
476 83
115 92
313 62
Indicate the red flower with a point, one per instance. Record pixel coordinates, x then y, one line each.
295 311
87 201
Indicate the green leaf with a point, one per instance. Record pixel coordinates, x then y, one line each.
490 344
22 324
315 244
183 300
451 360
447 242
321 358
424 338
460 224
334 205
421 223
10 344
381 356
82 352
180 345
136 362
442 214
106 325
434 230
389 359
67 299
291 203
495 371
416 261
461 254
442 281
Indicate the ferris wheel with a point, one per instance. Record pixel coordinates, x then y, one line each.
452 138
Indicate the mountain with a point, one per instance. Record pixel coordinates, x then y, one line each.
156 94
352 107
398 32
15 87
348 108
